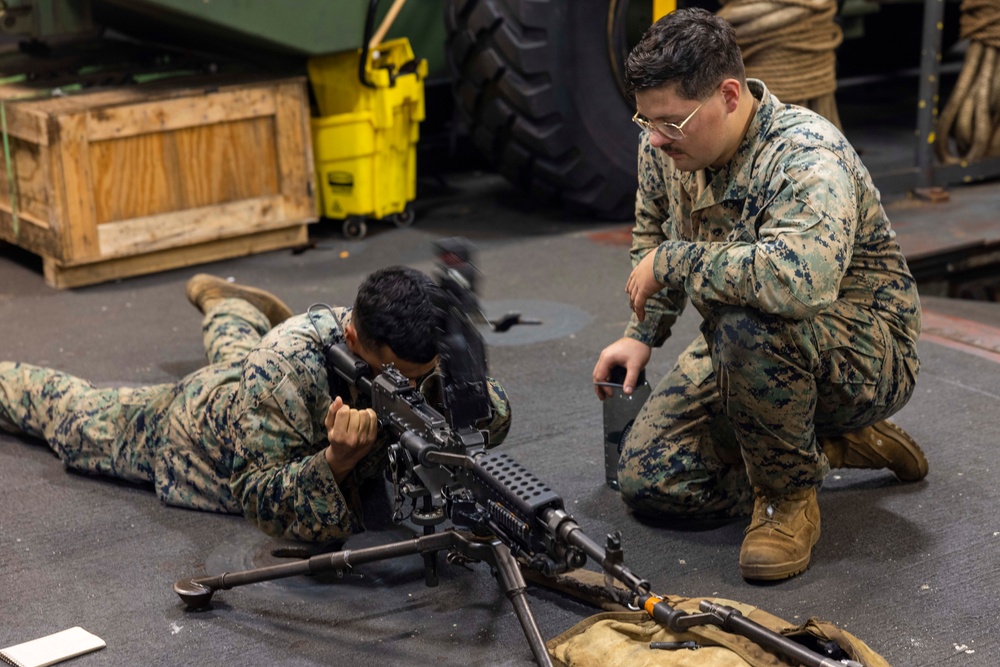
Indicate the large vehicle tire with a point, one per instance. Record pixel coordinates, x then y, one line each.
537 83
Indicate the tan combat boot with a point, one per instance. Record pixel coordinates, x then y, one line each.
781 536
204 291
883 445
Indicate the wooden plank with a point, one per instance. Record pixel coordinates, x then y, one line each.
163 115
163 90
24 122
59 276
180 228
27 218
295 150
31 180
135 177
95 98
53 199
38 238
20 90
79 229
227 162
52 159
28 110
195 167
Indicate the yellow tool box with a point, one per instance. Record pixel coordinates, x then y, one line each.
365 139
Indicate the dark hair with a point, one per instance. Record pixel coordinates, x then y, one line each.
692 48
394 307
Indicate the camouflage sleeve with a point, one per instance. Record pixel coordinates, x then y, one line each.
280 474
651 216
803 247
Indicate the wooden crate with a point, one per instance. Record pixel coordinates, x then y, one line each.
138 179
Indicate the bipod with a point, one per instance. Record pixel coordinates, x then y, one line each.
197 592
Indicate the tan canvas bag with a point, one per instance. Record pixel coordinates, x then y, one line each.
623 638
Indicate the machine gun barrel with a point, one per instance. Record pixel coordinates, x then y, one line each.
731 620
564 528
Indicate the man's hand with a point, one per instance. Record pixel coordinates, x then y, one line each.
627 352
642 284
351 434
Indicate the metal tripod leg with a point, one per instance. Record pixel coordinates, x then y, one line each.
509 576
197 592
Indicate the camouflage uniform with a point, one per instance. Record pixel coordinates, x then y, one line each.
245 434
811 316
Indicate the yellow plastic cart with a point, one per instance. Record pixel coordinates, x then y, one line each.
365 139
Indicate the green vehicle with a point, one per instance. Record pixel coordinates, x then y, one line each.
536 83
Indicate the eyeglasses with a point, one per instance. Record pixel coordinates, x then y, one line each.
672 131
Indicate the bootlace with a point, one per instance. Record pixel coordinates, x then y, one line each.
767 516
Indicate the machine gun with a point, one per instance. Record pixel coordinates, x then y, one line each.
500 513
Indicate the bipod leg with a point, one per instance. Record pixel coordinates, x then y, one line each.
512 582
197 593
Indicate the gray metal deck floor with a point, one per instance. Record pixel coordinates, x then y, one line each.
914 570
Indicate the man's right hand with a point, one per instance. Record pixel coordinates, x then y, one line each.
351 434
627 352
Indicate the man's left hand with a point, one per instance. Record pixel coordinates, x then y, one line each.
642 284
351 434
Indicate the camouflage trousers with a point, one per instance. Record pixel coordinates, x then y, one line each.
745 403
123 431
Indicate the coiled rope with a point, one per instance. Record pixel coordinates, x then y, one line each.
970 122
789 45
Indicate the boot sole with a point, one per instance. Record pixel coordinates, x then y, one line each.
890 431
778 571
775 572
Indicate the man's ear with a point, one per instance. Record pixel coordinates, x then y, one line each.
731 93
351 337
